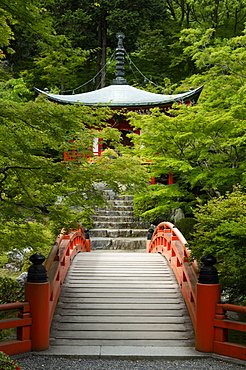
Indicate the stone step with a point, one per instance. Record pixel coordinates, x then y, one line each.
117 233
115 197
112 212
121 225
121 202
121 208
122 218
118 243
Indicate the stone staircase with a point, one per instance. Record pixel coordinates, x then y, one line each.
115 226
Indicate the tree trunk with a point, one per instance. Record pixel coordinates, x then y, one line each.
101 54
104 47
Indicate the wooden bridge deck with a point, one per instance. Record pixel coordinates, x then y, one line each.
119 299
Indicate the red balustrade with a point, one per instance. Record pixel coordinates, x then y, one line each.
222 325
59 260
169 241
34 319
207 314
22 323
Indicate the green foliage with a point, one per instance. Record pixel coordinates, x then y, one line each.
59 64
3 259
15 90
226 17
5 31
40 193
10 291
29 16
6 363
186 227
203 145
221 231
157 202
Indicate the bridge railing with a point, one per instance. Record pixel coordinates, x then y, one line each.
59 260
222 325
35 315
208 315
22 323
169 241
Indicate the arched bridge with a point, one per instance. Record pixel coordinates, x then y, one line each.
143 304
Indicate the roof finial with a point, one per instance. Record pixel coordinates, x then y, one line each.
120 54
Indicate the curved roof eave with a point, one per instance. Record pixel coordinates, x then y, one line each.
123 96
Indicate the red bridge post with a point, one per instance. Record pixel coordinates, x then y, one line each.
37 292
207 297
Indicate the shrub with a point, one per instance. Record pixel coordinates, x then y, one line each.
157 203
221 231
6 363
186 227
10 291
3 259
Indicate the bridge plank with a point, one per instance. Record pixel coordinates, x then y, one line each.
126 300
125 335
76 289
122 306
120 319
120 299
117 294
98 326
113 342
122 285
118 312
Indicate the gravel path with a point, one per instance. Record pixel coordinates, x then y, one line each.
50 363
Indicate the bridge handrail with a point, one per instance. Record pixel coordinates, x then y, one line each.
59 260
221 326
170 242
14 306
231 307
22 323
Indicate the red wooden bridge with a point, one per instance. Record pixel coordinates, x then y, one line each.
122 300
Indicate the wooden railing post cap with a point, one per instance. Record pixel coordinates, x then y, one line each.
208 273
150 234
87 235
37 272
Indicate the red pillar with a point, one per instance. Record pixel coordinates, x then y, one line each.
208 295
38 294
170 179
